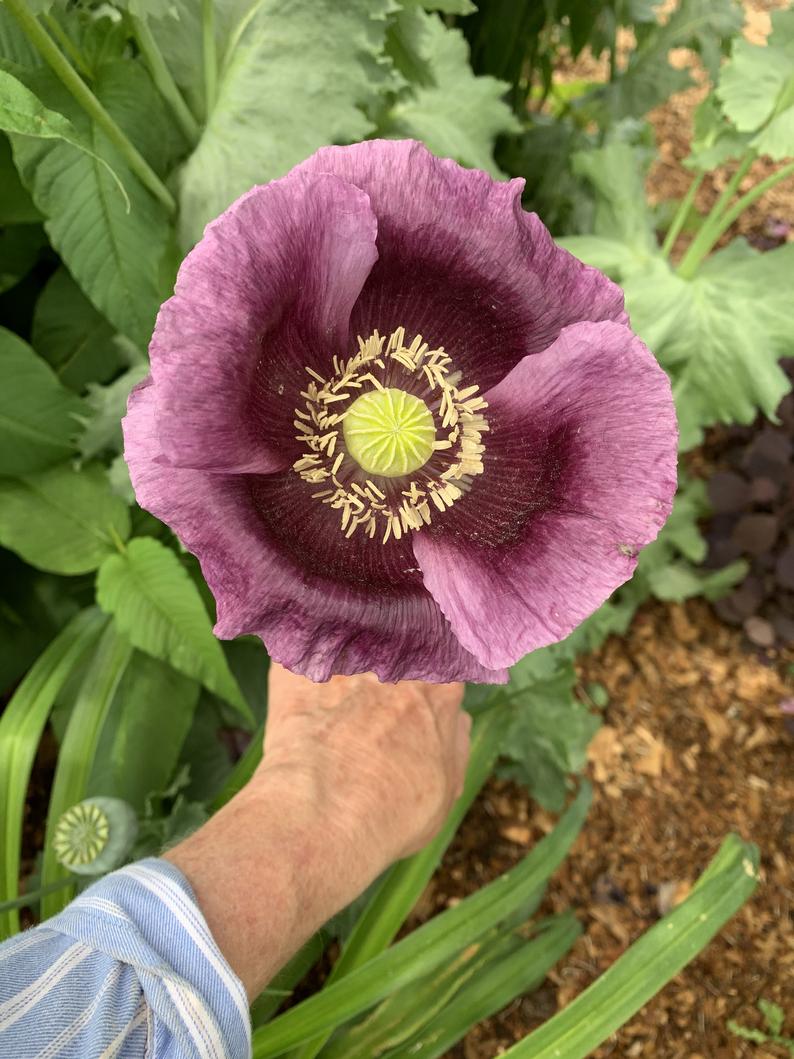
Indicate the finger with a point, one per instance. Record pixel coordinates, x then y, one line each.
445 701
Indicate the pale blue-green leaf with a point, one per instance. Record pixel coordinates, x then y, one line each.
612 256
757 79
62 520
460 114
616 174
100 425
300 75
158 607
38 416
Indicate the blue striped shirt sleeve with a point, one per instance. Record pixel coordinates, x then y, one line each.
129 970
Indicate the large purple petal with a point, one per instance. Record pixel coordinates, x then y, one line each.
580 471
268 290
460 262
347 618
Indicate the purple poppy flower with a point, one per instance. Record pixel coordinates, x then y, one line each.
400 428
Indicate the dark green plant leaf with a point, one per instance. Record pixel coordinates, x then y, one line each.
114 254
16 205
158 607
38 416
142 739
62 520
20 249
70 334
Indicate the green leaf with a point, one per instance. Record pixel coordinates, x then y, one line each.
503 979
20 249
757 88
550 729
21 725
714 141
425 949
458 115
701 25
14 45
151 714
38 416
77 752
101 426
16 205
114 254
621 214
747 1034
70 334
774 1015
155 603
577 1030
62 520
721 334
23 113
295 77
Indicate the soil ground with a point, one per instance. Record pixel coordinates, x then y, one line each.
694 745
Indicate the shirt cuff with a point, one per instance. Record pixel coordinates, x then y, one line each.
146 915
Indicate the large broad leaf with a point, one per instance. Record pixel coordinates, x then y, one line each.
159 608
757 89
20 248
649 78
38 416
70 333
720 334
62 520
14 45
16 205
23 113
143 736
114 254
457 114
301 75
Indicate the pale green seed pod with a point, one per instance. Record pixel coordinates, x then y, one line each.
95 836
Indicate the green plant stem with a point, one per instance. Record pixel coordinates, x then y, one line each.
163 80
716 226
210 55
681 215
717 210
66 73
66 42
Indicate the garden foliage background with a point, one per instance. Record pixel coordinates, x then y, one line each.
190 104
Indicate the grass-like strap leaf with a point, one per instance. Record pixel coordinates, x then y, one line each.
23 112
426 948
505 976
37 414
62 520
650 962
21 725
158 607
77 752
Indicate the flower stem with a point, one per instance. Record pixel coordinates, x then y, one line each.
55 59
681 215
36 895
720 223
210 55
703 242
66 42
162 78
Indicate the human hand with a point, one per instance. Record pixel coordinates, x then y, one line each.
355 775
379 764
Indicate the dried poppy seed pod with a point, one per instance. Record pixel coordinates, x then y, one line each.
400 428
95 836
